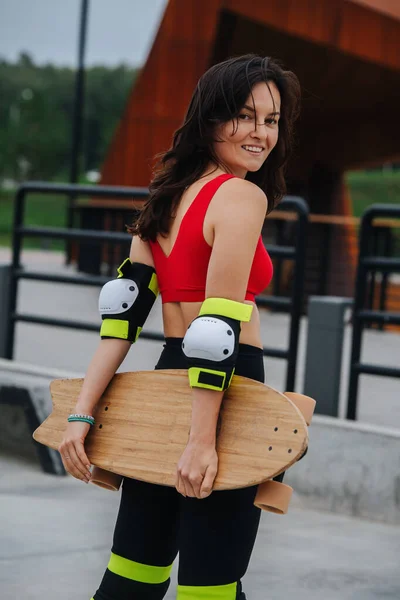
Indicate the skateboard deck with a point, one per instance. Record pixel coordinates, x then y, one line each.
143 422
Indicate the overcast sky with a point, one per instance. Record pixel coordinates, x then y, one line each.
118 31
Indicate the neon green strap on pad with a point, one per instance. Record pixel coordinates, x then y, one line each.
227 308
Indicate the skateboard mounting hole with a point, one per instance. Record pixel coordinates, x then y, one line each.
100 426
295 431
276 429
270 448
106 408
290 450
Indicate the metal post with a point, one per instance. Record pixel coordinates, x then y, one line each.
388 252
297 292
19 213
277 280
5 278
359 303
325 259
324 351
77 117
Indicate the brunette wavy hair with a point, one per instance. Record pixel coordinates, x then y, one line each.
218 98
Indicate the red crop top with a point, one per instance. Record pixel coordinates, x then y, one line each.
182 274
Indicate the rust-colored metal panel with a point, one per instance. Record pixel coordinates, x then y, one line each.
347 57
180 54
316 20
304 33
271 12
351 27
386 7
362 33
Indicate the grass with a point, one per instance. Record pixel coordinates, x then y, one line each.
373 187
366 187
40 210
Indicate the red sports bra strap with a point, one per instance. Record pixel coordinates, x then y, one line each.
207 192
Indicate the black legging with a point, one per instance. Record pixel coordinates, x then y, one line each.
214 536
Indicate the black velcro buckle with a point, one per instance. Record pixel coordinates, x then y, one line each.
213 379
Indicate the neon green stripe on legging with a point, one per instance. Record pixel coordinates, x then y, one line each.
207 592
137 571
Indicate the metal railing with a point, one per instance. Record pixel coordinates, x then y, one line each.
369 263
293 304
20 231
381 244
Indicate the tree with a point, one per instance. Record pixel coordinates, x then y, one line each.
36 108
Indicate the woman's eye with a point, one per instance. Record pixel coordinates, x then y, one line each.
244 117
272 121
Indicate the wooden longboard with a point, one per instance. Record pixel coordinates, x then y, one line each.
143 421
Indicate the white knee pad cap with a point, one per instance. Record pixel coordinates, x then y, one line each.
117 296
209 338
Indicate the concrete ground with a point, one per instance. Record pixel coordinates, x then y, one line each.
55 533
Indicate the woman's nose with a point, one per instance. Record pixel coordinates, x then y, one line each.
260 132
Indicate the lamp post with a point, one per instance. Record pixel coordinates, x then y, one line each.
77 119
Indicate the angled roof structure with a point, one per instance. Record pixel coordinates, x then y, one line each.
386 7
346 54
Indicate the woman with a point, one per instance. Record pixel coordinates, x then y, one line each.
201 233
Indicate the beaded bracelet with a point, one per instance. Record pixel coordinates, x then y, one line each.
83 418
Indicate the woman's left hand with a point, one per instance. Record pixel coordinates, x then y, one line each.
197 469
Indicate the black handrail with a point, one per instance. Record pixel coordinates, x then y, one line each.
382 237
20 231
293 305
369 264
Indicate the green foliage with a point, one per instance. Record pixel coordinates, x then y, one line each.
40 210
373 187
36 112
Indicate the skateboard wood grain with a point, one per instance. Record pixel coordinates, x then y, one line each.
143 421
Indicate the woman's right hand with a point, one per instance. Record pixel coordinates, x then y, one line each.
72 450
197 469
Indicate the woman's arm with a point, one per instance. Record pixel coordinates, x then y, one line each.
239 209
106 360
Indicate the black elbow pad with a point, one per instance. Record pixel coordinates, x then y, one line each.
211 343
125 302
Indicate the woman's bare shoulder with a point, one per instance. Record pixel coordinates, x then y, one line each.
239 196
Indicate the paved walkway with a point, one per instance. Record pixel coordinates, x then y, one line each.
56 534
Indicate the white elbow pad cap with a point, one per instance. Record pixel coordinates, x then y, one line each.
117 296
209 338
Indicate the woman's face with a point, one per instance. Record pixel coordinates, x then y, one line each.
246 148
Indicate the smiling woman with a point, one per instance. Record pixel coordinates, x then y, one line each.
199 238
247 88
246 144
